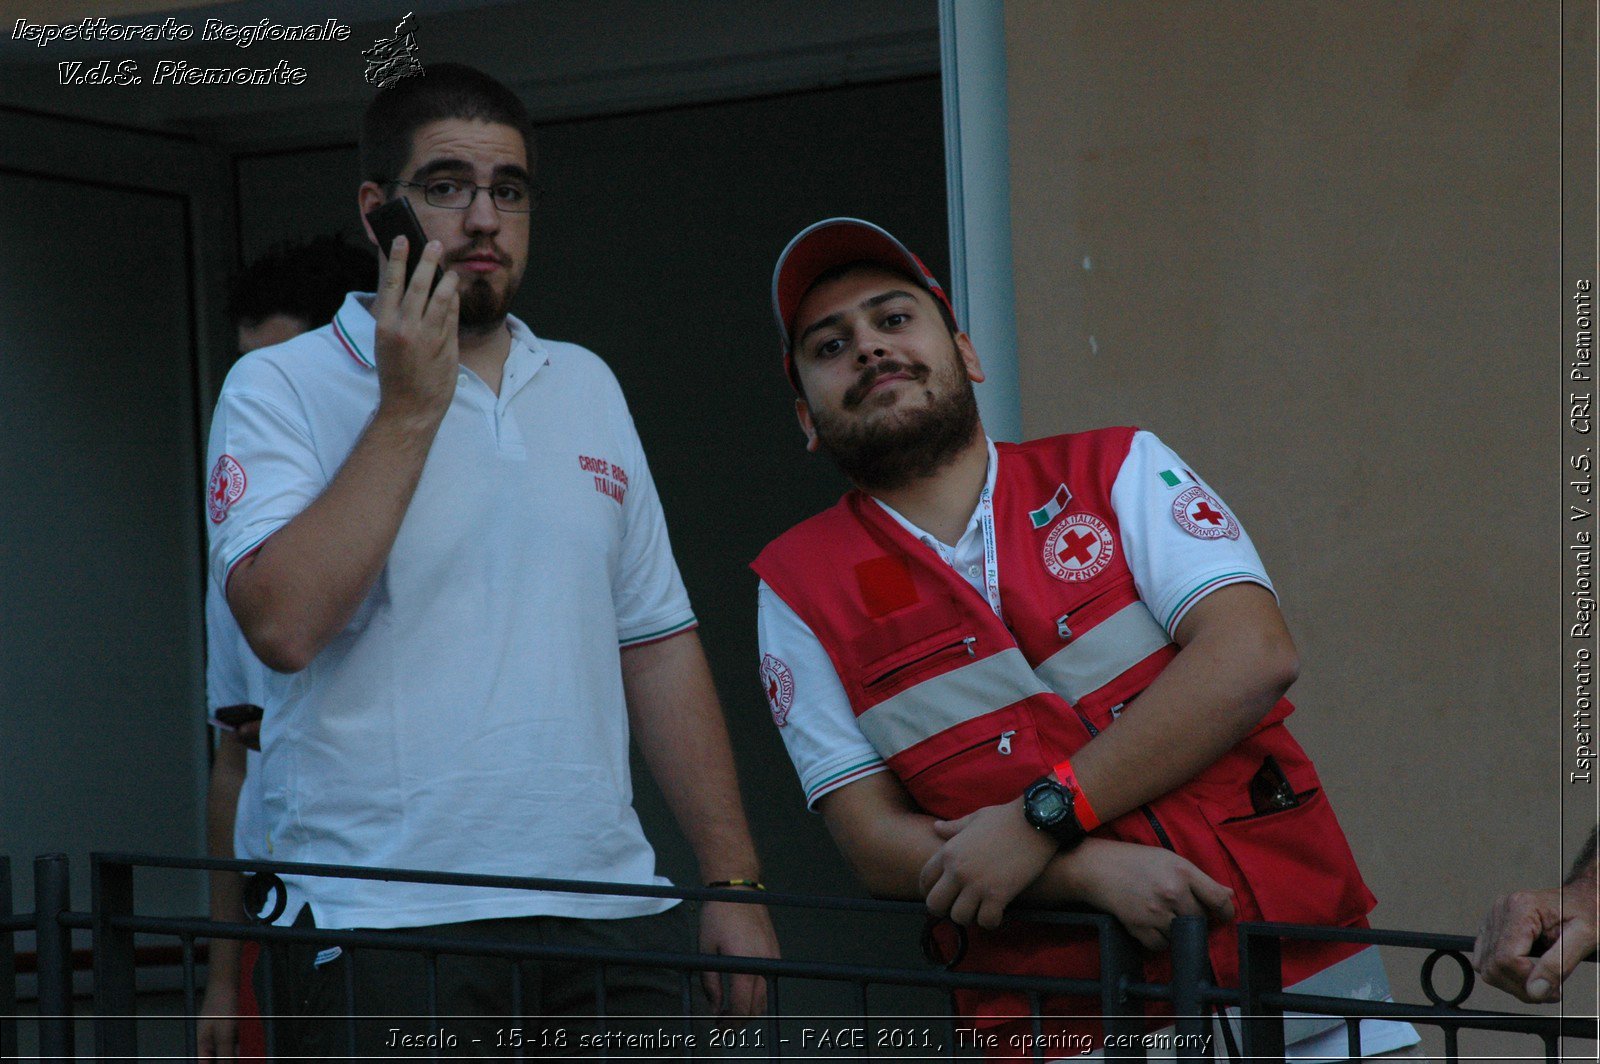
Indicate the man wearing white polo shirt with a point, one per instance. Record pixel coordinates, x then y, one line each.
442 532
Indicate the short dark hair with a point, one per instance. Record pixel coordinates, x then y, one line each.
302 280
446 90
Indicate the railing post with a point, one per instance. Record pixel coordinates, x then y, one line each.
115 1033
1189 968
8 968
1120 964
1260 973
52 896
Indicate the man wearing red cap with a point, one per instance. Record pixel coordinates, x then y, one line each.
1051 671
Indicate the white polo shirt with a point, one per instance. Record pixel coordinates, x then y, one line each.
470 718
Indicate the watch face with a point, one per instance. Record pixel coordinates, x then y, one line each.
1049 804
1048 807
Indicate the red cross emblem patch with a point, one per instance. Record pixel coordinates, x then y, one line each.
1078 548
1202 516
224 488
778 682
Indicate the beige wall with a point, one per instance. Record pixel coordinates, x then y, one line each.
1314 246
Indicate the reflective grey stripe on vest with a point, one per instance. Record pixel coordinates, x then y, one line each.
941 702
1104 652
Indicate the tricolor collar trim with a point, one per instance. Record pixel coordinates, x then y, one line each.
357 342
341 332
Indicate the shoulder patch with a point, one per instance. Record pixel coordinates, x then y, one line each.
225 488
1200 514
778 682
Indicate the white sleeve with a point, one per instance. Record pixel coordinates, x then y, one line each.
1183 543
808 702
647 591
263 470
227 682
234 675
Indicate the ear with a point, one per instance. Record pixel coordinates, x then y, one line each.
802 411
969 358
369 196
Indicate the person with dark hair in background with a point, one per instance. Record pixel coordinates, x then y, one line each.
295 287
1561 923
289 290
1051 670
441 533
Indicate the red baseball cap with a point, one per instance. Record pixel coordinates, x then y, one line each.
836 242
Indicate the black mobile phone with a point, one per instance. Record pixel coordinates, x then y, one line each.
238 716
396 218
1270 789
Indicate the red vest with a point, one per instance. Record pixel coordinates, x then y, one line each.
968 711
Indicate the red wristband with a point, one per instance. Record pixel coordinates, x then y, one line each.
1088 819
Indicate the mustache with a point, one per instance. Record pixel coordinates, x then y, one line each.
480 249
857 392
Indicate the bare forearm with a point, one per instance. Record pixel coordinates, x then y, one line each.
1232 669
888 842
679 726
308 578
890 863
227 888
1068 878
887 854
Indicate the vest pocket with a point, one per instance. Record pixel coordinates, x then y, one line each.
1104 598
896 670
986 765
901 646
1296 864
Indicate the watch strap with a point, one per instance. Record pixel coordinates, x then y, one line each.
1087 817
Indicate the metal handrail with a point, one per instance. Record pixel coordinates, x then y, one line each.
1260 1000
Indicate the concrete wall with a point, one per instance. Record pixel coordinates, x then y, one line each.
1315 247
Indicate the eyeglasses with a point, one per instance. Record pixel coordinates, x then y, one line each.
510 196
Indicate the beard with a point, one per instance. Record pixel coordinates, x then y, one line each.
483 309
891 451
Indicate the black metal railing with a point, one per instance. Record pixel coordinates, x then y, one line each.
10 924
1253 1011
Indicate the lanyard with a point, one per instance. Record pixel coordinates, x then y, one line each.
991 560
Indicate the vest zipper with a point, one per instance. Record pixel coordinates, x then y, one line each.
1001 744
1063 629
1155 825
968 643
